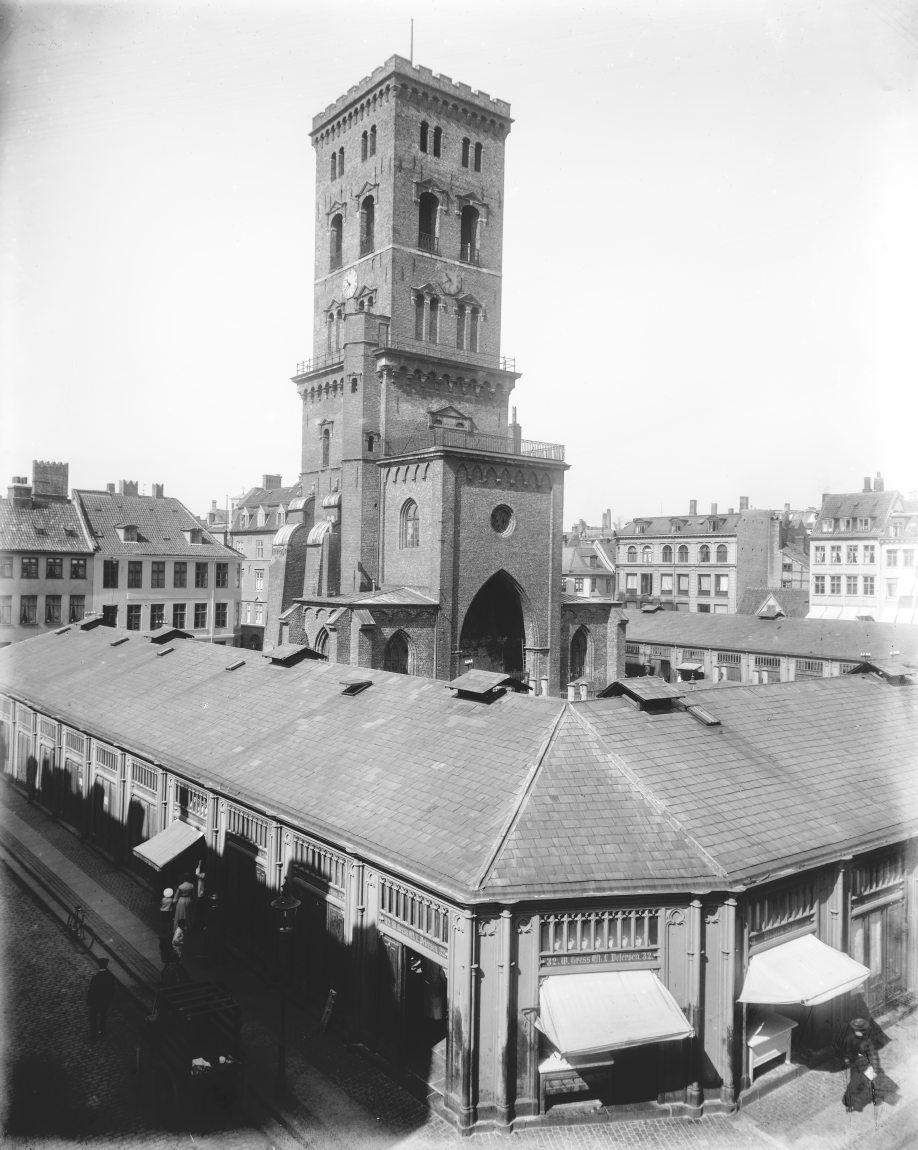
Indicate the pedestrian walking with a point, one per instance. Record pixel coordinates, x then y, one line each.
178 943
199 879
167 912
101 992
184 905
862 1063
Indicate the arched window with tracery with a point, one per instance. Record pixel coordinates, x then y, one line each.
646 554
683 553
704 553
326 445
367 226
425 132
397 656
428 212
468 234
721 553
632 555
409 532
579 659
335 242
667 553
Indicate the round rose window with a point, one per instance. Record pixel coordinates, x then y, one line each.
502 519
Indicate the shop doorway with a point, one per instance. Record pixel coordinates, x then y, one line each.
72 811
878 941
412 1009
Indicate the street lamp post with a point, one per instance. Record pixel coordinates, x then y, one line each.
284 907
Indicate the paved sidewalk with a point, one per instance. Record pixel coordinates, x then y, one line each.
338 1097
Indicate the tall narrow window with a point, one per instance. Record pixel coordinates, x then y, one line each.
474 317
339 320
364 146
428 211
326 445
578 662
367 223
334 165
409 526
468 235
419 317
466 144
721 553
478 157
667 553
335 238
341 161
683 553
329 347
704 553
438 141
373 140
460 327
425 130
433 319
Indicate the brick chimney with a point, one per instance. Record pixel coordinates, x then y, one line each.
713 508
127 487
866 484
744 503
693 507
19 491
50 480
110 488
157 489
269 482
878 484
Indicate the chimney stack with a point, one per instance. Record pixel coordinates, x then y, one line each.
158 490
693 507
744 503
19 491
50 480
269 482
866 484
127 487
213 505
878 484
713 508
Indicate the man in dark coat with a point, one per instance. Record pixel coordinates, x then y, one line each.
101 992
860 1054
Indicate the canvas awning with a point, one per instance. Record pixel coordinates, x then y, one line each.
804 971
690 666
160 850
583 1014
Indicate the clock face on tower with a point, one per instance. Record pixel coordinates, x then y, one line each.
350 283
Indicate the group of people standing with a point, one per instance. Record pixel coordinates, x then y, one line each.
178 914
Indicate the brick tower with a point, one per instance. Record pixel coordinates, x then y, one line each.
426 512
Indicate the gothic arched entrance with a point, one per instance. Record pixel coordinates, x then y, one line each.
493 634
397 655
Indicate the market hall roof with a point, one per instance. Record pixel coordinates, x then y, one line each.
846 639
161 524
38 527
520 798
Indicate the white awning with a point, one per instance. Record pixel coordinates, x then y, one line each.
803 971
583 1014
689 665
160 850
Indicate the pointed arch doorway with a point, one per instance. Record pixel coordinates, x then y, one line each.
493 635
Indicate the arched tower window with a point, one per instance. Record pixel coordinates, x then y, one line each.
646 554
460 327
339 321
631 556
321 644
397 655
335 242
721 553
326 445
466 144
428 211
478 157
433 319
418 316
425 130
330 334
409 532
438 141
367 226
580 645
683 553
468 234
341 161
373 140
364 146
704 553
667 553
474 318
334 165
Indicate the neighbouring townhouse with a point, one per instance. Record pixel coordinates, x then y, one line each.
588 568
156 566
46 567
650 899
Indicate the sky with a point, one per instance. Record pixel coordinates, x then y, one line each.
710 236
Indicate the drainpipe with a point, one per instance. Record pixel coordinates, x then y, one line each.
505 967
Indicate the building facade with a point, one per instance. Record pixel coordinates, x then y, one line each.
699 563
478 933
46 555
155 565
588 569
429 536
863 556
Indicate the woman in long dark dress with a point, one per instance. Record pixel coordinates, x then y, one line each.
863 1065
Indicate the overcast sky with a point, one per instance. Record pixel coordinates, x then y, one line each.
711 236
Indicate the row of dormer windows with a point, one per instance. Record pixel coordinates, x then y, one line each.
676 525
262 518
470 155
681 553
857 523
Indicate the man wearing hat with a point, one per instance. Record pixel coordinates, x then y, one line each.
101 992
861 1060
166 908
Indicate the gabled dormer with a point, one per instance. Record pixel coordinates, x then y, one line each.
450 417
194 535
676 525
641 526
128 533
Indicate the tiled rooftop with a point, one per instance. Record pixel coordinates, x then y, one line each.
41 527
160 523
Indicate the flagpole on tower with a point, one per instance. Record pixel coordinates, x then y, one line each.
411 49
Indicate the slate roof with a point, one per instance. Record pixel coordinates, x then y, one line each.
520 798
875 505
257 497
794 601
53 527
160 522
383 597
691 524
844 639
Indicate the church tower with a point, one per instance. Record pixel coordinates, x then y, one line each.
426 511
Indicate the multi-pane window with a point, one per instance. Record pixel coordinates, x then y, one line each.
704 584
6 566
221 574
259 548
179 574
666 584
870 585
819 553
892 588
178 615
30 566
409 526
851 553
77 568
667 553
110 615
850 584
682 584
134 612
721 553
646 582
863 524
52 609
704 553
835 584
77 608
28 610
835 554
870 553
200 574
631 555
578 585
682 554
157 615
819 584
158 573
721 584
892 558
54 567
6 609
259 579
110 573
646 555
259 614
220 615
200 616
908 558
135 573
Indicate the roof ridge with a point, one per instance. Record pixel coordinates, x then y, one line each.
647 795
517 811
